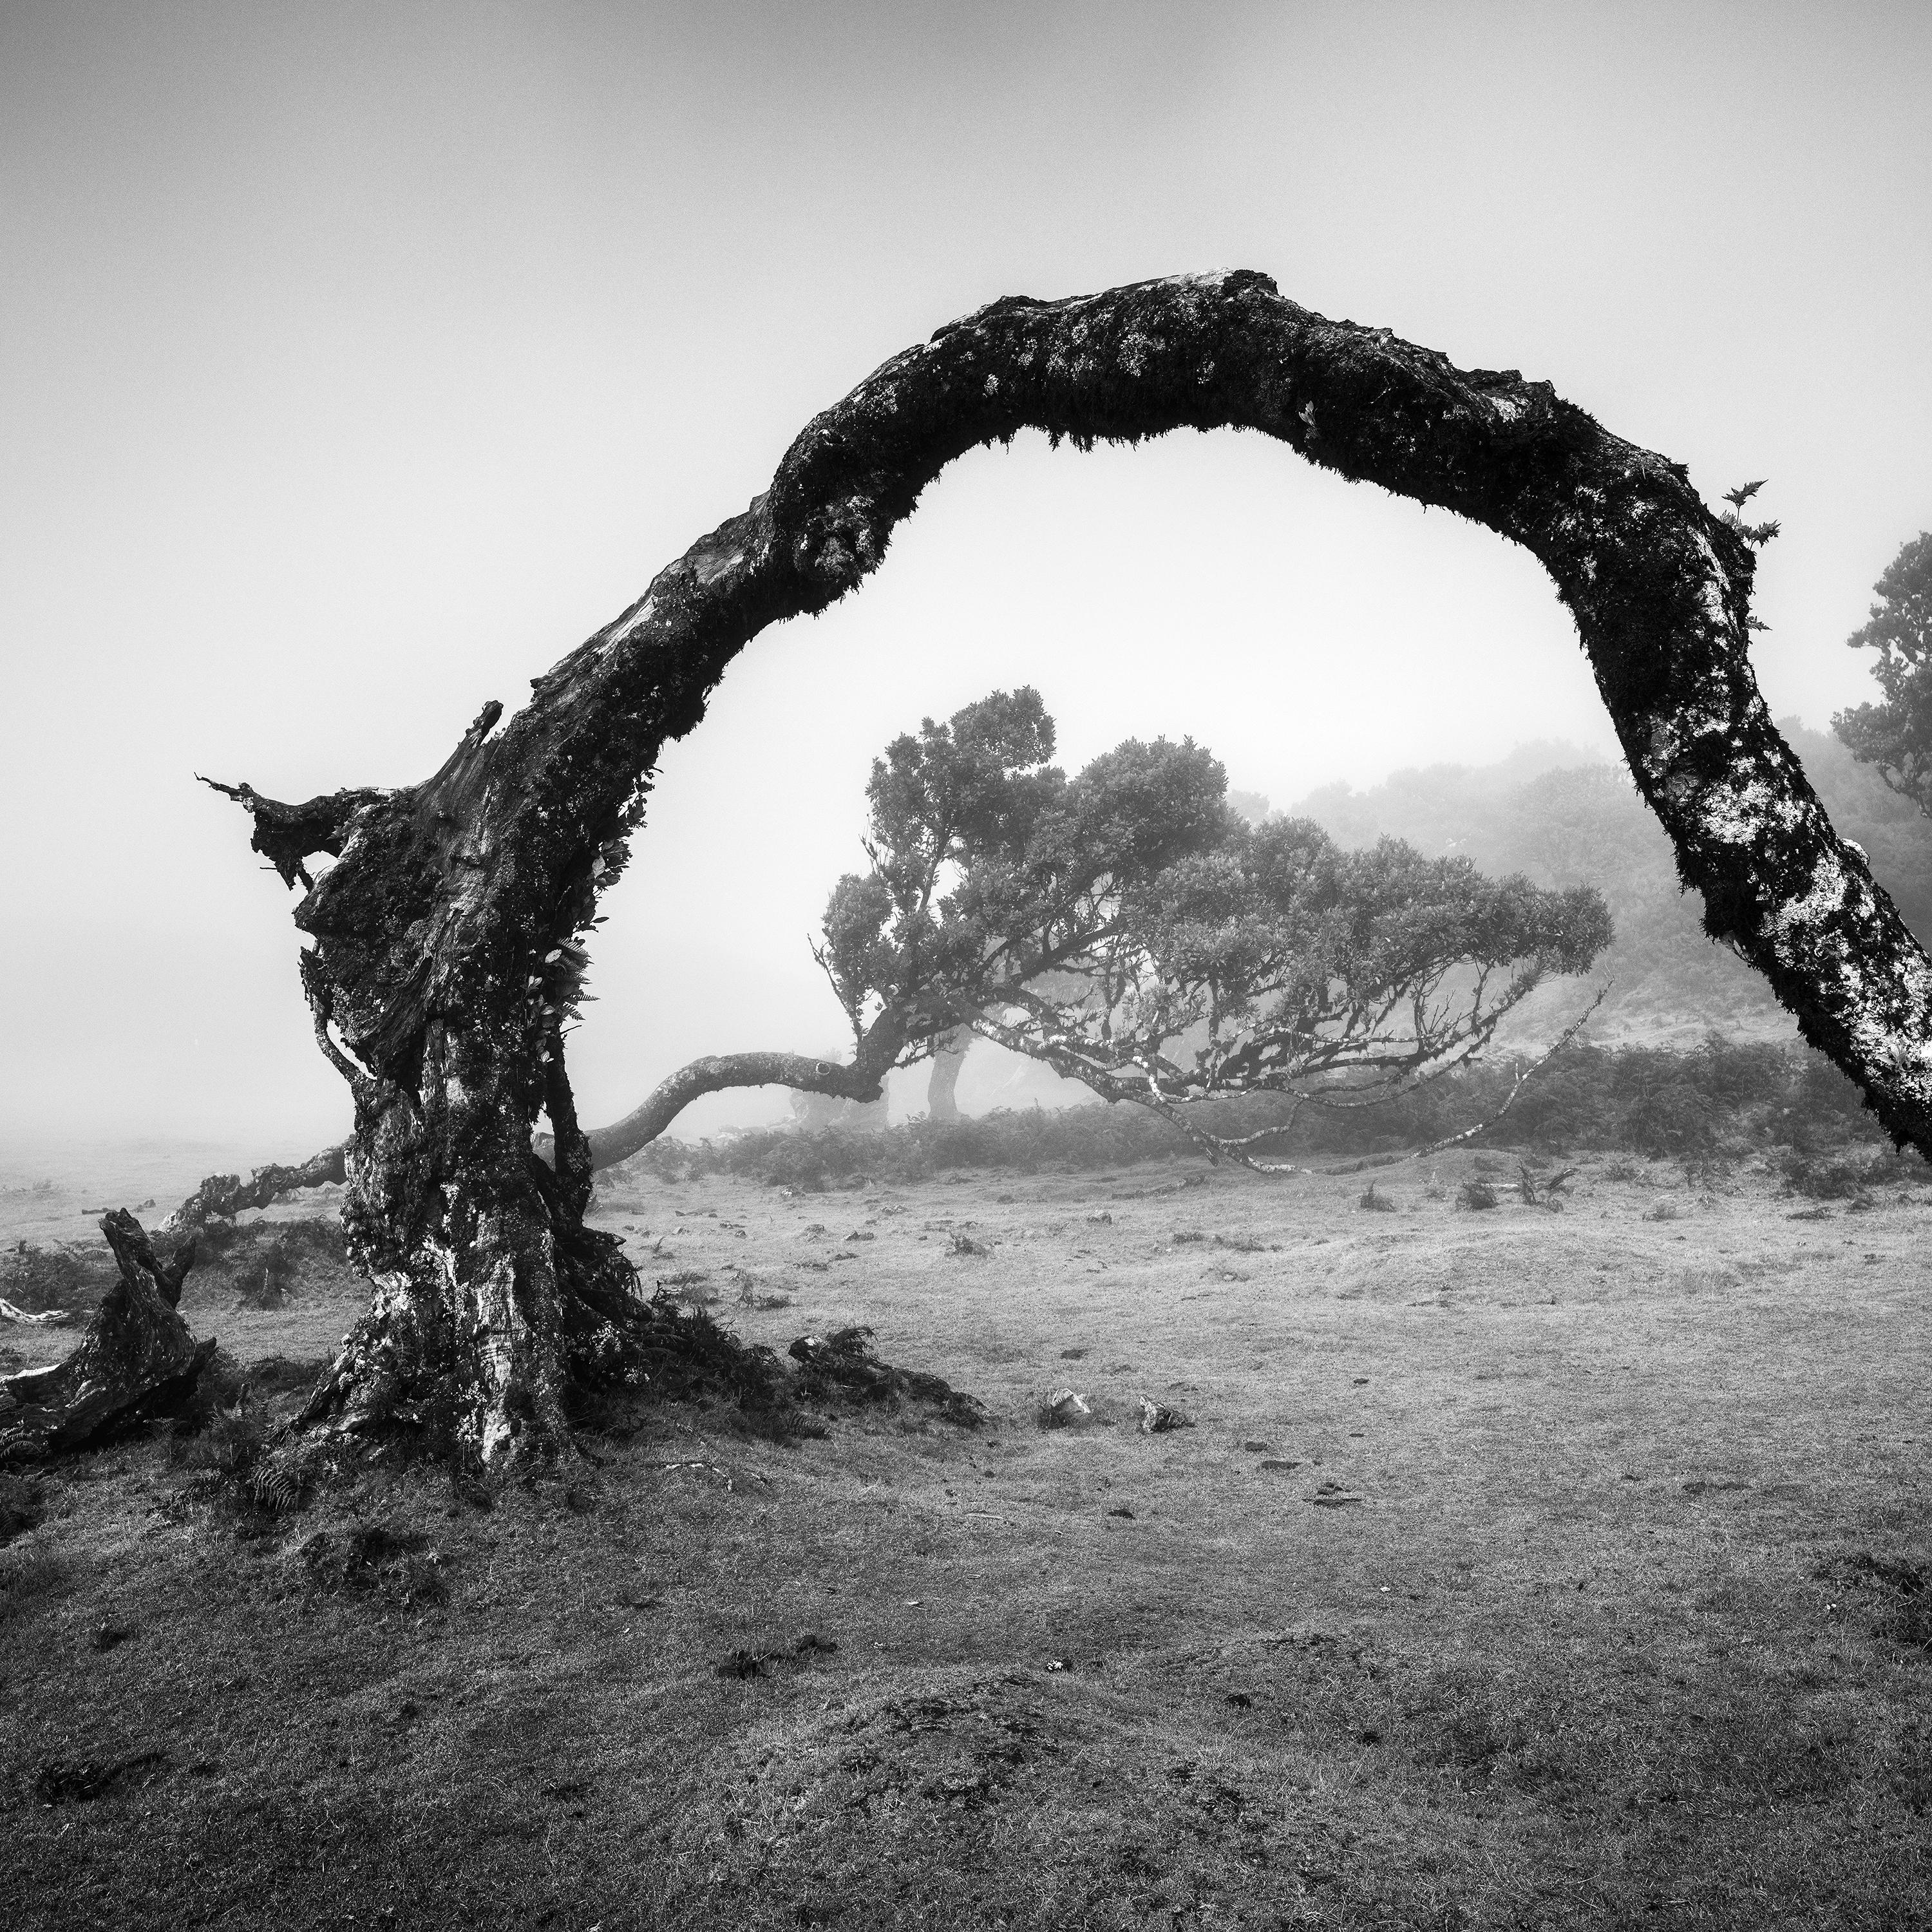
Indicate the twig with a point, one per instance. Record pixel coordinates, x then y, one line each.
716 1469
1234 1149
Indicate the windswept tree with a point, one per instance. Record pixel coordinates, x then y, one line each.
1130 929
448 934
1896 736
991 872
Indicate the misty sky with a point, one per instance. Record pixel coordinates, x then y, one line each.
360 361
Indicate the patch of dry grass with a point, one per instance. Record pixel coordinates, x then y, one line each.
1521 1569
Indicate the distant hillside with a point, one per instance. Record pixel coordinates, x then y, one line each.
1564 823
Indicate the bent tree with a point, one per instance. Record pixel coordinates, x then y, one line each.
1130 931
448 936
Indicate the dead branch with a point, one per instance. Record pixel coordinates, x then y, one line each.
222 1196
287 834
45 1318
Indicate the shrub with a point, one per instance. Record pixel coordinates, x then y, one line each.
267 1259
1823 1176
277 1374
35 1279
1024 1141
1671 1118
235 1461
268 1287
397 1565
221 1385
840 1369
1476 1194
692 1286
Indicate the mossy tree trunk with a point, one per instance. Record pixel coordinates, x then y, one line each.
446 934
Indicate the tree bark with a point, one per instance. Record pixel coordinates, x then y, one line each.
942 1086
137 1358
445 932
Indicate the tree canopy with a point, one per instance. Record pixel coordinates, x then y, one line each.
1896 736
1129 927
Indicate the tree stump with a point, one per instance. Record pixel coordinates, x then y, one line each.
136 1360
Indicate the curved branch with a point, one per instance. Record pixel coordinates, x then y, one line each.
673 1094
223 1196
285 834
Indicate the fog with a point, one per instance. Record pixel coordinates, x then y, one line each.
362 361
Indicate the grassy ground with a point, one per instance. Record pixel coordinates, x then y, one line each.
1510 1575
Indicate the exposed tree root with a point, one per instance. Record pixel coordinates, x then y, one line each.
382 1386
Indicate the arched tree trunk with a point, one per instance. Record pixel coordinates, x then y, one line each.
445 955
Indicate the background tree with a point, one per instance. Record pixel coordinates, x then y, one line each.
449 933
1563 824
1129 928
1896 736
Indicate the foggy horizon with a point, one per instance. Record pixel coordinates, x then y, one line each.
363 364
